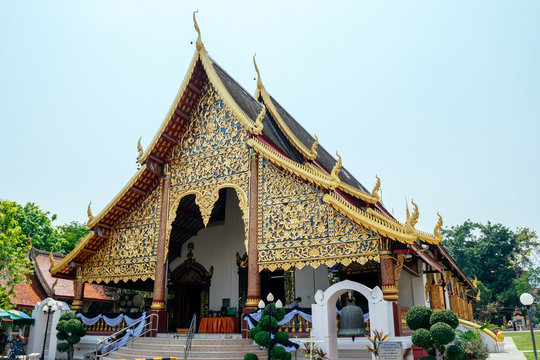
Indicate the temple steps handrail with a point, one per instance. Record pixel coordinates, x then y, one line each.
498 337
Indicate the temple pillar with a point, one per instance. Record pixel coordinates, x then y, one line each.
437 296
253 281
389 288
454 303
78 291
158 301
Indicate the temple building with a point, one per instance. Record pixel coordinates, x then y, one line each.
234 199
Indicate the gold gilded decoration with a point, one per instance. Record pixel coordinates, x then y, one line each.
412 219
397 269
376 188
210 156
297 229
130 251
314 146
199 42
335 172
258 126
89 213
429 281
140 151
51 259
438 227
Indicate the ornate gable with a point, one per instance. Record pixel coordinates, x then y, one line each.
130 251
296 228
211 155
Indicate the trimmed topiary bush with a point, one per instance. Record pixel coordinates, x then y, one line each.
442 333
251 356
418 317
422 338
455 352
433 331
70 329
260 333
445 316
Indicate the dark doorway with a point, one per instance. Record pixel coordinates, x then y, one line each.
189 303
274 282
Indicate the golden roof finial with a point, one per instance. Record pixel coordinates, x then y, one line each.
313 149
199 43
259 81
415 214
375 192
478 295
438 227
475 282
334 174
258 126
140 150
51 259
411 219
89 212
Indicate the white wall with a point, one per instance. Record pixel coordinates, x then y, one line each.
217 246
405 289
307 281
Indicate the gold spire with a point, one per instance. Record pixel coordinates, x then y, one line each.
334 174
199 43
375 192
438 227
89 212
259 81
51 258
140 150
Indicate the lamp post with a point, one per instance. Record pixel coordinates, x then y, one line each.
50 308
261 305
527 300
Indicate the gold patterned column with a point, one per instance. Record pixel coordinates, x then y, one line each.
437 293
78 291
253 289
158 301
389 288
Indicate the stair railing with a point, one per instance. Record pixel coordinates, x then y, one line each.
191 332
138 329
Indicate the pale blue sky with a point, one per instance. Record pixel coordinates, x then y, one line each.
441 99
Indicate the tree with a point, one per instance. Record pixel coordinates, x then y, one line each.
13 252
496 256
69 236
36 225
71 330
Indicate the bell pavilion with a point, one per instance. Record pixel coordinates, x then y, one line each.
234 199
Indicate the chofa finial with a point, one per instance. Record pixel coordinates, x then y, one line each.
313 149
140 150
334 174
376 188
51 259
259 81
89 213
199 43
438 227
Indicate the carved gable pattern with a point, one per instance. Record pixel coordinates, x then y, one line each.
130 251
211 155
296 228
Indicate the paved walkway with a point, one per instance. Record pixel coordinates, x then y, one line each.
510 352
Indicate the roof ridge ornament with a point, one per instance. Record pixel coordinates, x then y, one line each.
412 219
140 150
89 213
199 43
313 149
259 81
335 172
376 188
438 227
51 259
258 126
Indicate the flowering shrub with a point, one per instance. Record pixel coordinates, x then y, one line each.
475 349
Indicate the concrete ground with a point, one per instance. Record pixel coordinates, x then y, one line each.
510 352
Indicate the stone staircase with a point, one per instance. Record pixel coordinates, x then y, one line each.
203 347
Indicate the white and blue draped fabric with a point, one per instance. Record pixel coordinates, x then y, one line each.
112 319
254 317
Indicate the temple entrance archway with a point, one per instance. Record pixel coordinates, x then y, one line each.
324 313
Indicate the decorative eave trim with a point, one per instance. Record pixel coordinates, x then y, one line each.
310 154
73 254
384 228
306 172
113 202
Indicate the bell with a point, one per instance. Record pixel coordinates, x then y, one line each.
352 321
